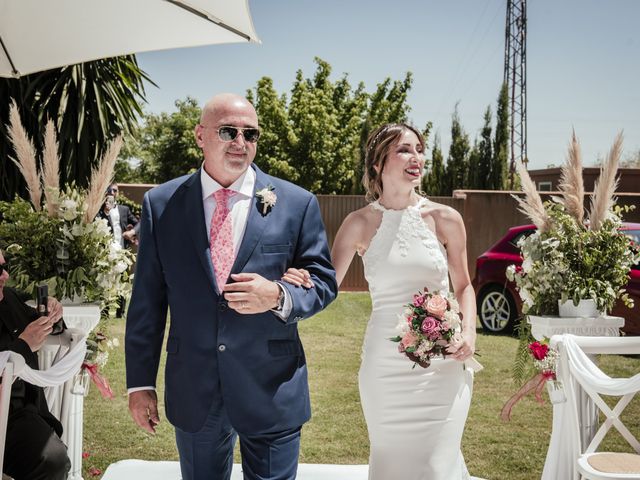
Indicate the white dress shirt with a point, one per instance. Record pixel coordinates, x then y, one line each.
114 216
239 203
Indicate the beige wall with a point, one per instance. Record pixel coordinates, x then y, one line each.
487 216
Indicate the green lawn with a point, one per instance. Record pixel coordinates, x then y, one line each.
337 433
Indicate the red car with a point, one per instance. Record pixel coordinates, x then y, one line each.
498 302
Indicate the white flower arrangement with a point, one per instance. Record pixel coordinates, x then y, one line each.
58 240
569 257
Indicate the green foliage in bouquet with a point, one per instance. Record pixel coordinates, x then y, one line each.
58 240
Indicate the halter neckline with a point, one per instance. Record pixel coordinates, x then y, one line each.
376 205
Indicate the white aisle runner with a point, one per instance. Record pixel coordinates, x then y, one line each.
145 470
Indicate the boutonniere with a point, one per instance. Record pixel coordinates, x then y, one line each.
267 197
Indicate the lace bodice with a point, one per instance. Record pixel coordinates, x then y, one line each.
404 256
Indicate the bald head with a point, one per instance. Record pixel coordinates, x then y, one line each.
226 159
223 104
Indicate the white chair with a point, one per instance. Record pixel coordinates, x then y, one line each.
576 370
10 365
13 365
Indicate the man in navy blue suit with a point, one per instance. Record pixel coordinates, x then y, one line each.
235 363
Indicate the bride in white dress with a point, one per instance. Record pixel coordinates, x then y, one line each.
415 416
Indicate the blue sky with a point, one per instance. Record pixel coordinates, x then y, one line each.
583 65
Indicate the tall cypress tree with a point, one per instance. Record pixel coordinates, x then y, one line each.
484 153
434 181
458 159
500 158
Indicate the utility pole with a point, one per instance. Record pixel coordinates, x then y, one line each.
515 76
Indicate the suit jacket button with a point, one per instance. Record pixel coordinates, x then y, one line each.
222 306
222 347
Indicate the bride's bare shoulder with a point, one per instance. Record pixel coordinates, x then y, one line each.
361 217
440 212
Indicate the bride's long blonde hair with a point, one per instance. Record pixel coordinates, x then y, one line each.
377 149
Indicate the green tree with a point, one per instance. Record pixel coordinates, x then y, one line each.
434 181
90 104
632 160
458 159
317 138
165 143
483 153
499 164
277 137
473 173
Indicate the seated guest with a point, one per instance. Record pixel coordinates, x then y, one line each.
33 449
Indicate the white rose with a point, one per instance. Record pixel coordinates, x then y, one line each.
526 297
527 264
76 229
403 326
452 318
453 303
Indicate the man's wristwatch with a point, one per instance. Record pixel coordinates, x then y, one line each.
280 304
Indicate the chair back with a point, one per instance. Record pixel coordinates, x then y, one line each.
577 368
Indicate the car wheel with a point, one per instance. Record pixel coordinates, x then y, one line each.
496 309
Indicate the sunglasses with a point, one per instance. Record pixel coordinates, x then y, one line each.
227 133
4 267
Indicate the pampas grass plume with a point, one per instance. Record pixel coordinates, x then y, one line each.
603 192
101 178
51 170
571 182
26 156
531 205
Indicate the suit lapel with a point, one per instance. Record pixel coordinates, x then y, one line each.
194 216
256 223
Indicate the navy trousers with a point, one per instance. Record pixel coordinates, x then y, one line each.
208 453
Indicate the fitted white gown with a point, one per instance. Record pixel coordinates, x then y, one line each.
415 416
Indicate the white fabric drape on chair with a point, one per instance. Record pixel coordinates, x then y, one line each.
573 364
55 375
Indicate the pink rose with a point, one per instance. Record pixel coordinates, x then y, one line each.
431 328
409 339
418 300
437 305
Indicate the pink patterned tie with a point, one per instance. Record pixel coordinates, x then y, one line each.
221 237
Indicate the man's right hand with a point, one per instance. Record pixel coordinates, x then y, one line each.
143 405
36 333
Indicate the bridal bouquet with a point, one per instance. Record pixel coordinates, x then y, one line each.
427 326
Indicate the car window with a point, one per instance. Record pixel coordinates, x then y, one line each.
634 234
524 234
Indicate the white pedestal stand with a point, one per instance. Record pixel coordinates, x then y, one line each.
66 406
601 326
